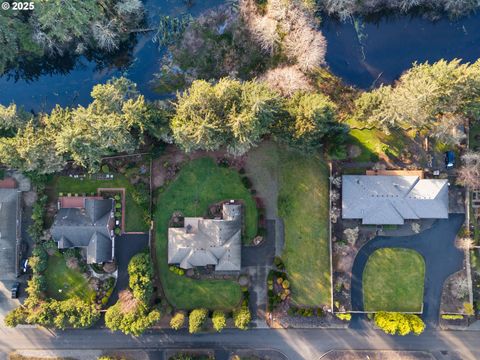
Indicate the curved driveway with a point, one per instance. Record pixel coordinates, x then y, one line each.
442 258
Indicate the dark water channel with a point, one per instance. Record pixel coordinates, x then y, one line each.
370 53
362 53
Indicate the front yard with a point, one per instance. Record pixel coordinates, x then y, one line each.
393 280
134 212
64 283
199 184
303 205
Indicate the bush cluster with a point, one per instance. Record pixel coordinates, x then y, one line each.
399 323
176 270
452 317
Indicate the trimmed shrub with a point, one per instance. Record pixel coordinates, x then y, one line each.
219 320
117 197
118 205
345 317
177 321
397 323
242 317
452 317
285 284
105 169
247 182
196 320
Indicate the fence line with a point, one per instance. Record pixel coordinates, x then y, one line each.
330 179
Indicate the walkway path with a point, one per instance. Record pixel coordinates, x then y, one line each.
442 258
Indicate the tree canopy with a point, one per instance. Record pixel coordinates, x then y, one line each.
435 97
229 113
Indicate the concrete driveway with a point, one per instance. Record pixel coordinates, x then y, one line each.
442 258
126 246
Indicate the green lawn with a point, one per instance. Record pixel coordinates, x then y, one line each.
134 214
199 184
393 281
303 205
70 282
374 143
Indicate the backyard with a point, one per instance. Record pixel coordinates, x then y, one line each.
199 184
393 280
134 212
303 205
64 283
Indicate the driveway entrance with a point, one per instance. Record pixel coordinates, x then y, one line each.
442 258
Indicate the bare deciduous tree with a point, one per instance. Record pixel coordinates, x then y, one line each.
459 287
287 80
351 235
469 174
106 35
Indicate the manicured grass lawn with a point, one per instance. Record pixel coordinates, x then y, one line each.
393 281
199 184
71 282
303 205
374 143
134 214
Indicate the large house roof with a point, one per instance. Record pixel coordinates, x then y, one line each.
204 242
390 200
86 227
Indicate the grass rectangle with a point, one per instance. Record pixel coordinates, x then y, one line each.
393 280
303 204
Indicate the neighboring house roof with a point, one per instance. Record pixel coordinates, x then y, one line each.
204 242
9 202
390 200
88 227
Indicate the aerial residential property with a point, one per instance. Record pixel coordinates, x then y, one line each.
240 179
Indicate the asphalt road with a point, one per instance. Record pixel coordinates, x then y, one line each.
308 344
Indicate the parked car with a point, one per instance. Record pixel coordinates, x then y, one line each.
15 290
449 159
24 265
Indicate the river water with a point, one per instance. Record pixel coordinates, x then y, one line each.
364 54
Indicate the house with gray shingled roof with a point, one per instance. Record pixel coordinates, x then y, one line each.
89 228
203 242
390 200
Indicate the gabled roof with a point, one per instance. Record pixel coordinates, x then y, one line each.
382 200
208 241
86 227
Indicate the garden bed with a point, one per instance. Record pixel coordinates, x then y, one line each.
455 294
